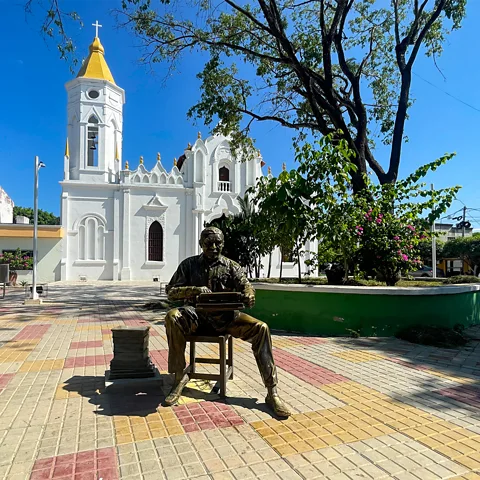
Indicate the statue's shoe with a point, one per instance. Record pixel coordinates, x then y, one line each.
278 406
176 392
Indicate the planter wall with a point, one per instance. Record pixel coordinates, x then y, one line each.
370 311
26 275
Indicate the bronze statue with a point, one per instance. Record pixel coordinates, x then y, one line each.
212 272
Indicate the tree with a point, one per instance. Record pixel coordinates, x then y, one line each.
44 218
314 66
425 250
282 205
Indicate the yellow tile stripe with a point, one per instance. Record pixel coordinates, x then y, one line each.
358 356
17 351
455 442
42 365
156 425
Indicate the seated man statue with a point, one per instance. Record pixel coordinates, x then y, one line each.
212 272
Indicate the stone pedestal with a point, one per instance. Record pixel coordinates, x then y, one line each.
130 354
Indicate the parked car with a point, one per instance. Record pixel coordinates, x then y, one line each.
426 271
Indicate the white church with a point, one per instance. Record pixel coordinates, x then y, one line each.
120 222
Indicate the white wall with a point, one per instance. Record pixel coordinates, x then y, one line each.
6 207
49 255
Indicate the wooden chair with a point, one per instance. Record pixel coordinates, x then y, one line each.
226 363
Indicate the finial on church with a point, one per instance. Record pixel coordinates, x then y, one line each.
284 166
67 149
96 25
269 170
141 160
199 135
126 165
158 156
189 146
175 162
116 153
258 152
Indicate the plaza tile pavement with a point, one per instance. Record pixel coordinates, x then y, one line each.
363 408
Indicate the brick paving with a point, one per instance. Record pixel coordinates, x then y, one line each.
371 408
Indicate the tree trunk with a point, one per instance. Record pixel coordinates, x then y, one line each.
269 265
298 263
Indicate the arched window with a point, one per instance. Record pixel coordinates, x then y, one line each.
224 174
155 243
91 239
92 144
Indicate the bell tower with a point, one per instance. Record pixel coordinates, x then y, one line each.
95 120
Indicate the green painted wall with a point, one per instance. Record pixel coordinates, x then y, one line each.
332 314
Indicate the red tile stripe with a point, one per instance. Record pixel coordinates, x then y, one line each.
308 340
31 332
5 380
206 416
307 371
464 393
87 344
160 358
88 361
89 465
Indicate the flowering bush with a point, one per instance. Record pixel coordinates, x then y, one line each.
381 225
389 244
17 260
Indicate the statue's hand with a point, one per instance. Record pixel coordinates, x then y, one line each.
249 299
203 290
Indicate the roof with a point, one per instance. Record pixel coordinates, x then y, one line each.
95 66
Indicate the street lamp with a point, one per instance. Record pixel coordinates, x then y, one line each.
38 166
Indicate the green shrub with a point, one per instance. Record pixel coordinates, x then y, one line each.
462 279
433 336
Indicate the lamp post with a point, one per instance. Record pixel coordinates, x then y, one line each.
434 248
38 166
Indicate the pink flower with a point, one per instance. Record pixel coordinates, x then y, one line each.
378 256
411 227
396 238
422 237
399 252
379 221
410 247
405 257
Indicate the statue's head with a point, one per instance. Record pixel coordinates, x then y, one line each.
211 241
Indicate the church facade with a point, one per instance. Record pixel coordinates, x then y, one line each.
124 223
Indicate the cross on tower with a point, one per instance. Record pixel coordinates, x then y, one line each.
96 25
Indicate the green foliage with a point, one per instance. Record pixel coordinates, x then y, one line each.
425 251
466 248
383 224
307 66
283 210
242 244
16 260
459 279
44 218
56 23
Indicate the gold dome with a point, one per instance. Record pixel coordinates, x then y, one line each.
95 66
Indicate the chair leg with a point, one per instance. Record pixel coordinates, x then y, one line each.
223 368
230 355
192 356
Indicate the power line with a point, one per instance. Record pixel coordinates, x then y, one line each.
447 93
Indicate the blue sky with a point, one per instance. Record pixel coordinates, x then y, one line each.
33 107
